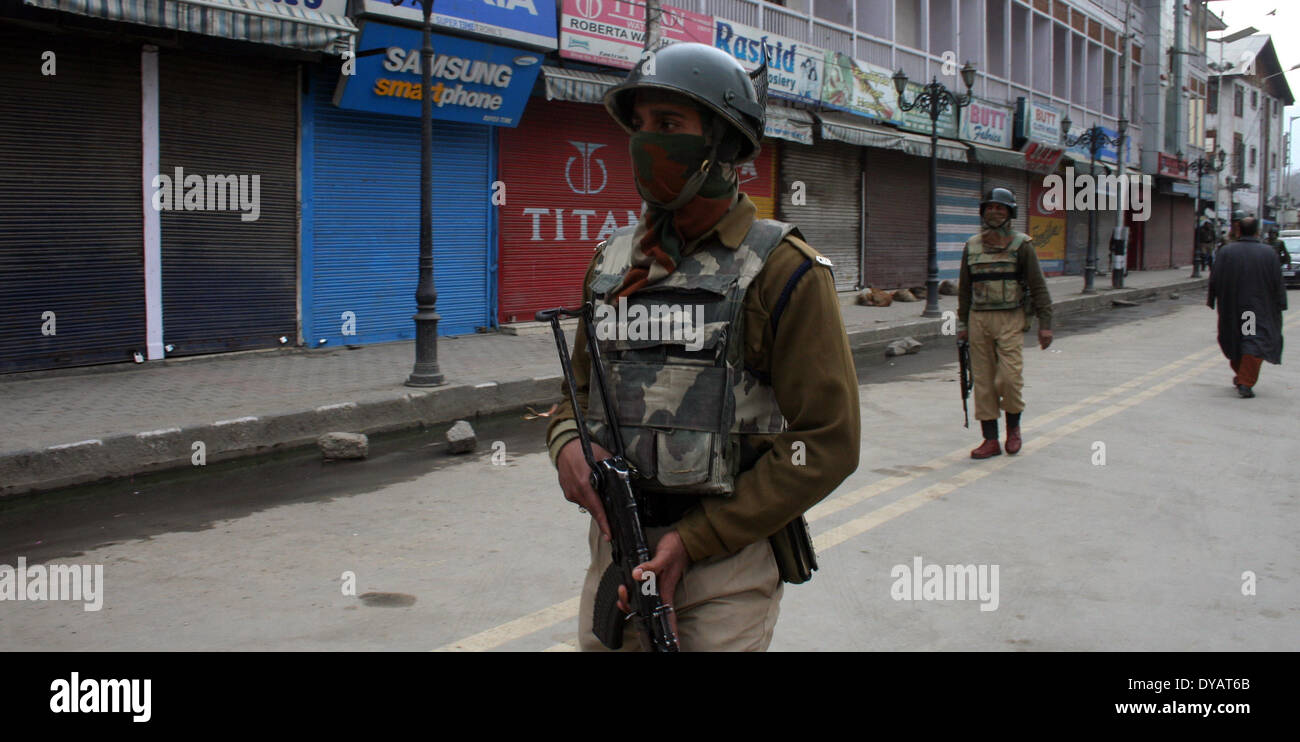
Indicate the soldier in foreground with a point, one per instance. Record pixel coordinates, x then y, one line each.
735 434
996 266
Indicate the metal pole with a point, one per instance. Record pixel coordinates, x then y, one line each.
1196 210
1090 267
652 25
1120 260
426 371
932 252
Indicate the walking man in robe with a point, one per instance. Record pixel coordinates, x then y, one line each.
1246 287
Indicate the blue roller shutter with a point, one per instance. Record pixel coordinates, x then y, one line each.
361 216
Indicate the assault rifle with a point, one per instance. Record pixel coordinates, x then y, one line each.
963 357
612 480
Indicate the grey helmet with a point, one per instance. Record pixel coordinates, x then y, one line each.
714 81
1000 196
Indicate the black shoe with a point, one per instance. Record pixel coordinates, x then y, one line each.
1245 391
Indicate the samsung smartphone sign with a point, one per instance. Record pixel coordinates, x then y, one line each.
529 23
473 82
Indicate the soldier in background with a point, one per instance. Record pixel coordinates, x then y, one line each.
736 440
997 266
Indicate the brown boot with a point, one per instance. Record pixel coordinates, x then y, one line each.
986 449
1013 441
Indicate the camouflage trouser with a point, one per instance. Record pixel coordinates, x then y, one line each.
997 363
727 603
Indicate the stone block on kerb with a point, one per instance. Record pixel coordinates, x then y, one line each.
343 445
461 438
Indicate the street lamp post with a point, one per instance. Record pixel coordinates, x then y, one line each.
934 99
426 371
1202 166
1094 139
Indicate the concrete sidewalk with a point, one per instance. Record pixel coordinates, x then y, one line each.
83 425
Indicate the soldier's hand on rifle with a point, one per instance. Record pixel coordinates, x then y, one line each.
575 480
668 563
1044 338
962 335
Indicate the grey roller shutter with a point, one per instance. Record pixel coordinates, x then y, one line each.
71 202
831 217
227 283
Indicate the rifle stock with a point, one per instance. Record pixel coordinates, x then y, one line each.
963 358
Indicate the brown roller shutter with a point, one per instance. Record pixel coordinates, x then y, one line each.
831 215
229 284
898 198
71 202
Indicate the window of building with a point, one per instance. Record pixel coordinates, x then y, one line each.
1272 161
1237 98
907 23
1212 98
1254 100
1238 156
1252 158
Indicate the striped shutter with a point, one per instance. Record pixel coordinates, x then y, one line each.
361 222
229 284
71 202
958 214
831 217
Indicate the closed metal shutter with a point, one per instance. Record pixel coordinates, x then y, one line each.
831 216
229 284
1182 230
898 192
361 222
568 176
958 210
71 202
1158 234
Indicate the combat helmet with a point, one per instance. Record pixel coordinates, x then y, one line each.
714 81
1000 196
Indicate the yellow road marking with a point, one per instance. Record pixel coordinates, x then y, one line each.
511 630
568 609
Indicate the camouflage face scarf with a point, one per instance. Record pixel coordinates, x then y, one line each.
996 238
667 168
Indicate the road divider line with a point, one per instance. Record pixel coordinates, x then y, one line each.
880 487
511 630
856 527
568 609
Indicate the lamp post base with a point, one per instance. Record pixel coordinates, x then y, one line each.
426 372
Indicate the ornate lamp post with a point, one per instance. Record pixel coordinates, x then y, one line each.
1094 139
426 371
1202 166
934 99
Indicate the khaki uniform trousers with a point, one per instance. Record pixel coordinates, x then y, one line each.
997 361
726 603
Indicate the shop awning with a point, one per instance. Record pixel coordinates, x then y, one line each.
580 86
986 155
791 124
856 130
243 20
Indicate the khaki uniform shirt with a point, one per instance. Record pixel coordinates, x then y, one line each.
1040 301
811 368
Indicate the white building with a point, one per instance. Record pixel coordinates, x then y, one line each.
1245 119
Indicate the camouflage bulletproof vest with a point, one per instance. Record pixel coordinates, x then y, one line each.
994 276
684 400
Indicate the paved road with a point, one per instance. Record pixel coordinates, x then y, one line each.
1145 552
